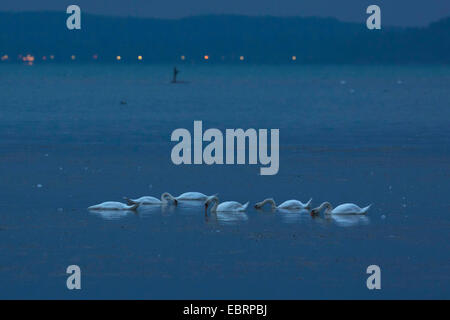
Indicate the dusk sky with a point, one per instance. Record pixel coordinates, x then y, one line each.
394 12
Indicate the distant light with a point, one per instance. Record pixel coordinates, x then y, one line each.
294 58
139 57
44 58
95 56
118 58
52 57
206 57
241 58
183 57
29 59
73 57
5 57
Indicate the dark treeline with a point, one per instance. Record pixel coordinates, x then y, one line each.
224 38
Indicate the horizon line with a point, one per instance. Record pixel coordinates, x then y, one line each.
222 15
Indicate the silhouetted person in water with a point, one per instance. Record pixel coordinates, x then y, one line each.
175 72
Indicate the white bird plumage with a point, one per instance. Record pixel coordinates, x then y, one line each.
113 205
345 208
187 196
287 205
148 200
227 206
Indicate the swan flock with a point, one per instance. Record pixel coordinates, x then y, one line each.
215 205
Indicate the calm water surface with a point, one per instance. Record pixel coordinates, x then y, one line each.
377 135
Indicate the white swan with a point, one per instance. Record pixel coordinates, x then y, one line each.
287 205
346 208
187 196
112 205
227 206
148 200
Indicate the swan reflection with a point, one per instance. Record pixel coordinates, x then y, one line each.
227 218
294 216
349 220
149 210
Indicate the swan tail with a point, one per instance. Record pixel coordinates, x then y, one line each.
244 207
366 209
129 201
308 204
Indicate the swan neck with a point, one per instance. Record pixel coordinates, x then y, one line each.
326 205
166 195
271 201
216 204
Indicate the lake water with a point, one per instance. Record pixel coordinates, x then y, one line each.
368 135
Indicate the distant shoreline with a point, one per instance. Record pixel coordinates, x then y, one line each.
219 39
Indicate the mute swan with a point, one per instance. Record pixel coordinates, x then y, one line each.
346 208
187 196
148 200
112 205
227 206
288 205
